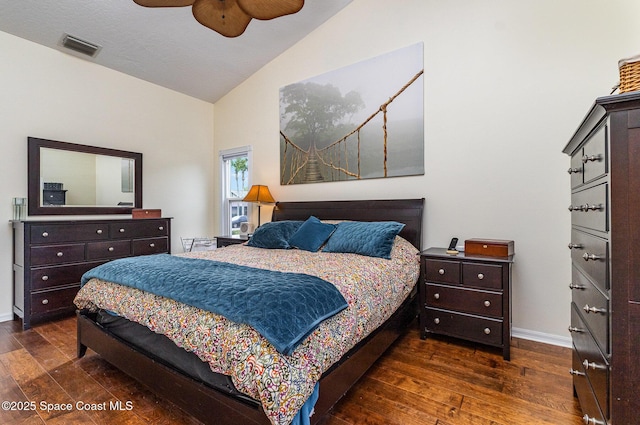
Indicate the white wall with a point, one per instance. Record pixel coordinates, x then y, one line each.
49 94
506 84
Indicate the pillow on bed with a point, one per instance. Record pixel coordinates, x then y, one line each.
274 235
311 235
374 239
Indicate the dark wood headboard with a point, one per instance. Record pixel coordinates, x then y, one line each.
407 211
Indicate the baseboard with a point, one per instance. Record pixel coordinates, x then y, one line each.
562 341
6 317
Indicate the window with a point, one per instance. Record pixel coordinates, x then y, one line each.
235 166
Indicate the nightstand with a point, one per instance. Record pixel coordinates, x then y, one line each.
466 297
222 241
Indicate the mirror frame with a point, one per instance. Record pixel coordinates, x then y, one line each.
33 179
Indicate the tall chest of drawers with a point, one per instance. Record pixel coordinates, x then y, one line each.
466 297
50 257
605 260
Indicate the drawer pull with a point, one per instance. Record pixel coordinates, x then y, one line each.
441 271
436 321
152 245
99 231
593 158
593 365
45 277
45 234
45 301
588 257
576 372
487 303
436 296
574 245
577 207
594 309
487 331
576 286
575 329
60 254
588 420
111 249
594 207
161 228
573 170
121 230
480 276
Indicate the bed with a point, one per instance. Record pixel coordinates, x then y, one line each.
218 395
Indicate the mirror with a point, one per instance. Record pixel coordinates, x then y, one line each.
67 178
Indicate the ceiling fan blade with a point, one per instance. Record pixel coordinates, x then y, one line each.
164 3
269 9
222 16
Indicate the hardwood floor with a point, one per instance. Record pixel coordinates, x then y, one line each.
432 382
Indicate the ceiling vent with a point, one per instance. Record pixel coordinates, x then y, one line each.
81 46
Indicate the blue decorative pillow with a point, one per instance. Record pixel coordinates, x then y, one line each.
374 239
274 235
312 234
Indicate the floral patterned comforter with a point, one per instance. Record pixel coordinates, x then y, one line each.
374 288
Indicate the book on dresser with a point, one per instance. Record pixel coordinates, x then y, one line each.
605 265
51 256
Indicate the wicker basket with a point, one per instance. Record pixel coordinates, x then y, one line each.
629 74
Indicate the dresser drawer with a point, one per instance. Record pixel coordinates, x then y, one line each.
53 302
589 208
591 255
594 155
56 254
592 360
108 249
583 389
142 228
150 246
441 271
594 307
54 233
482 275
49 277
467 326
464 300
576 169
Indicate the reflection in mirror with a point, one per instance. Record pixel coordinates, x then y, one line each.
85 179
66 178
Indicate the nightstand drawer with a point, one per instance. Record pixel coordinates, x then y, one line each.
442 271
467 326
464 300
482 275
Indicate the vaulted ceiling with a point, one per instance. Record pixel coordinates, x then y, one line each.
165 46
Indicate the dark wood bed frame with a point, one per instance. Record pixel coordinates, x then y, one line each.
212 406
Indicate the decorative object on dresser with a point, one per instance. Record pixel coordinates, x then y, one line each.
491 247
259 194
222 241
50 257
467 297
605 289
146 213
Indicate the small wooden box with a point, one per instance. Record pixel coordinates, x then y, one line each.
144 213
489 247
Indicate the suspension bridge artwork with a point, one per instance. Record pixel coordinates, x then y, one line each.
359 122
